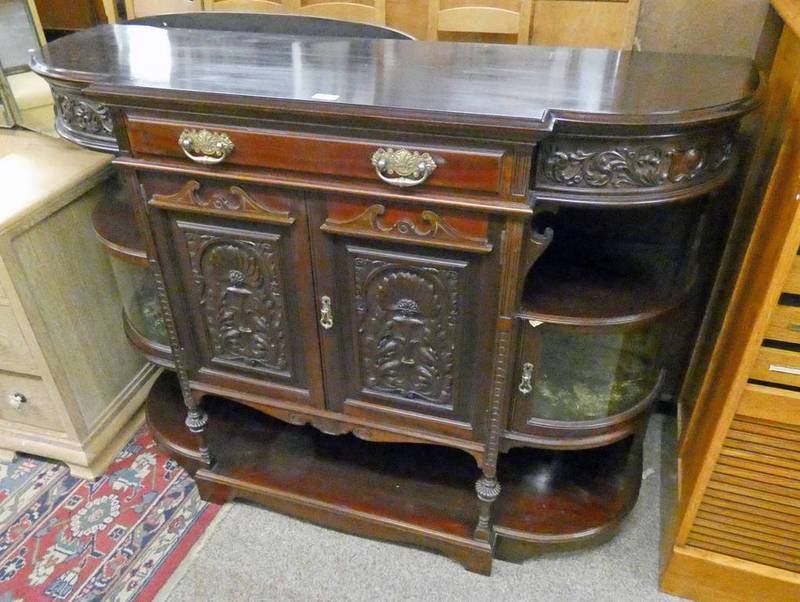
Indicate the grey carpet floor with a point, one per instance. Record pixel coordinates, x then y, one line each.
250 553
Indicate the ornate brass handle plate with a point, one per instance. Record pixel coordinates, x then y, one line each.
411 167
326 313
525 384
205 147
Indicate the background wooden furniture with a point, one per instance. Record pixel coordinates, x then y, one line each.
735 535
70 386
480 19
410 265
56 15
545 22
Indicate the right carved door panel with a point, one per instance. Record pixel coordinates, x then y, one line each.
399 329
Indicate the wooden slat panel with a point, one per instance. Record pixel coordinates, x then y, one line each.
777 366
754 485
751 515
757 467
757 544
754 458
786 509
779 406
757 476
758 439
792 284
778 498
749 523
758 448
784 324
744 554
737 529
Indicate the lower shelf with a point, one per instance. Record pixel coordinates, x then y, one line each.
421 495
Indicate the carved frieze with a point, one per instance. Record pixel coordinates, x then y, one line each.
84 121
627 165
241 293
408 318
235 200
431 228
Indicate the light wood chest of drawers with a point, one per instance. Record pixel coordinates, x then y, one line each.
70 386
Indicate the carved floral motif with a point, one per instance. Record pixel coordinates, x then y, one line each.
241 293
408 319
635 165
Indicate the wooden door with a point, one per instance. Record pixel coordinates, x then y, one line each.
399 312
239 255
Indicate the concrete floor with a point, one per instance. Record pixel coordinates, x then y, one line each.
250 553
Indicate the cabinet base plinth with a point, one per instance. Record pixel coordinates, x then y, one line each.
419 495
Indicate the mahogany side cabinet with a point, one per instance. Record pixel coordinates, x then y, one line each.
424 292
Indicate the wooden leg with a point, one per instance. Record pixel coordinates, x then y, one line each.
196 422
487 488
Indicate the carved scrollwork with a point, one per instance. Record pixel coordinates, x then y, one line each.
235 199
241 293
83 121
408 319
623 164
433 227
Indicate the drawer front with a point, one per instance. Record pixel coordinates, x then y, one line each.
15 355
33 408
423 166
792 284
777 366
406 223
784 324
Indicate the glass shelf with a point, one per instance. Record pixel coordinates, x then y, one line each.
140 300
578 375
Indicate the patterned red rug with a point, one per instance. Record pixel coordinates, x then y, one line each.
119 538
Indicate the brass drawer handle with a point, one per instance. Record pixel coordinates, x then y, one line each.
326 313
525 384
16 400
203 146
412 168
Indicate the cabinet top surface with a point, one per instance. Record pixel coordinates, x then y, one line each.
523 86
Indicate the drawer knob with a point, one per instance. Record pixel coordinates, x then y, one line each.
203 146
411 168
326 313
525 385
15 400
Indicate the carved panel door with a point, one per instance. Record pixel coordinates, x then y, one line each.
240 256
401 295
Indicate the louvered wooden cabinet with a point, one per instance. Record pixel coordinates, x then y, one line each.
735 534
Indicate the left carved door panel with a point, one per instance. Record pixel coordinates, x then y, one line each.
239 255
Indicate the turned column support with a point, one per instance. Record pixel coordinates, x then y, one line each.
196 417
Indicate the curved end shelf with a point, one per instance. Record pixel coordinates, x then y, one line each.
589 295
586 434
115 226
154 351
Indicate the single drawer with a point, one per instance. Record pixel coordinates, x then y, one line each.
784 324
24 400
15 355
383 162
792 284
408 223
777 366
